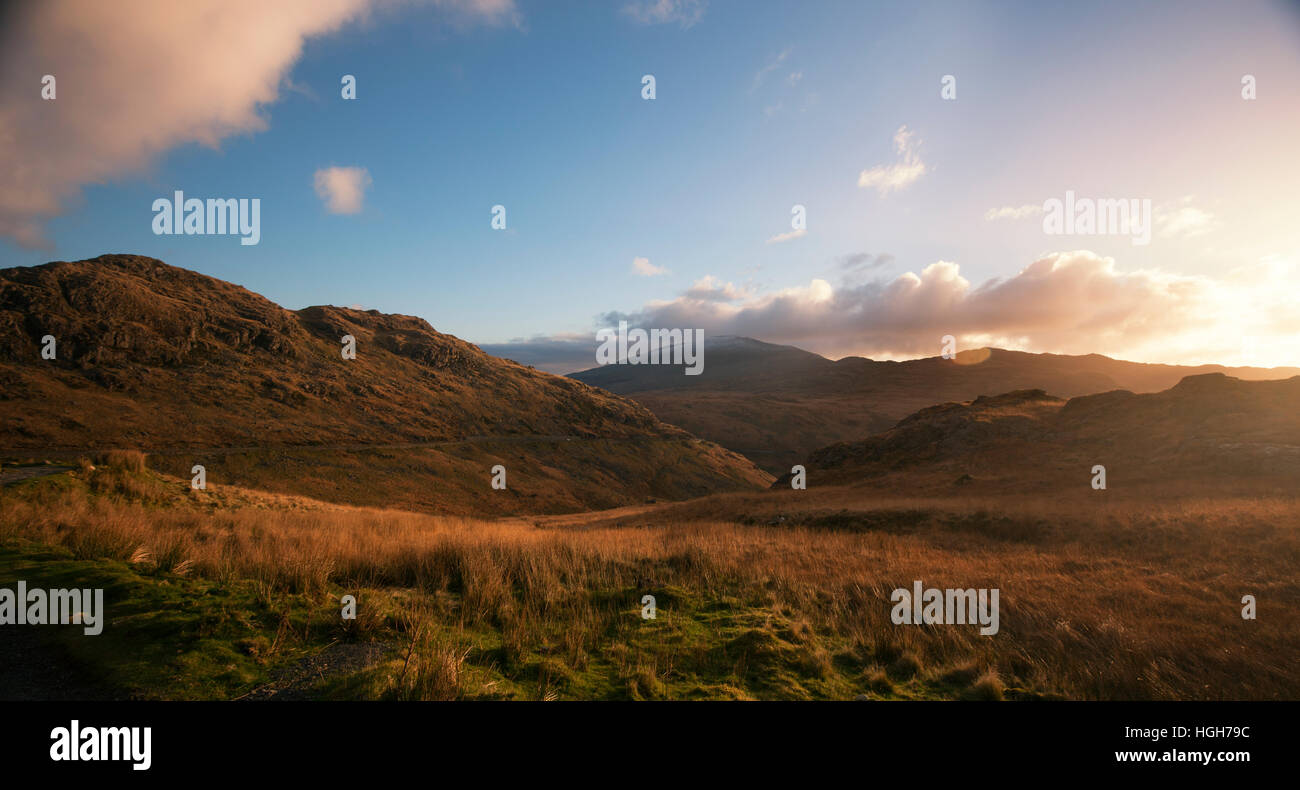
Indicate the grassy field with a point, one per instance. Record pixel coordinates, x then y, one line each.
233 593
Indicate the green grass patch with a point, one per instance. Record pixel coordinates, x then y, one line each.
165 636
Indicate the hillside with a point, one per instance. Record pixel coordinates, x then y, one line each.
195 370
776 404
767 595
1209 427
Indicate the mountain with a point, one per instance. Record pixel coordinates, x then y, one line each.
1207 428
195 370
776 404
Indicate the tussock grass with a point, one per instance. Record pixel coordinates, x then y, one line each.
132 461
1102 601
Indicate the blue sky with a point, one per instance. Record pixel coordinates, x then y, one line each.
759 106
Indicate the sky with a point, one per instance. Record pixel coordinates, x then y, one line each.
847 177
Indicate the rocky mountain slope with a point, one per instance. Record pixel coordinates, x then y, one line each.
196 370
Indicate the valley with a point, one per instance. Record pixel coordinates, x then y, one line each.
350 542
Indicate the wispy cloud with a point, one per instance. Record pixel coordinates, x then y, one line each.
769 67
472 12
860 261
644 268
898 175
660 12
1183 220
789 235
342 188
1013 212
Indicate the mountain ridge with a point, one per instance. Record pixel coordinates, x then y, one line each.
776 404
1208 426
152 355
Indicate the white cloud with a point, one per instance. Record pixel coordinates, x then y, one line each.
794 234
898 175
1183 220
137 78
1066 302
1013 212
658 12
342 188
710 289
644 268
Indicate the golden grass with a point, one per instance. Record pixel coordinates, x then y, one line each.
1099 598
126 460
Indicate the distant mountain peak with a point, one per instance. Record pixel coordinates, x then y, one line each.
778 403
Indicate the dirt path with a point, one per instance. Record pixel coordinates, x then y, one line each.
34 671
296 682
586 519
15 474
75 452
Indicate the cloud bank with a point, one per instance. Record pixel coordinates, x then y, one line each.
1068 302
559 354
1064 303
